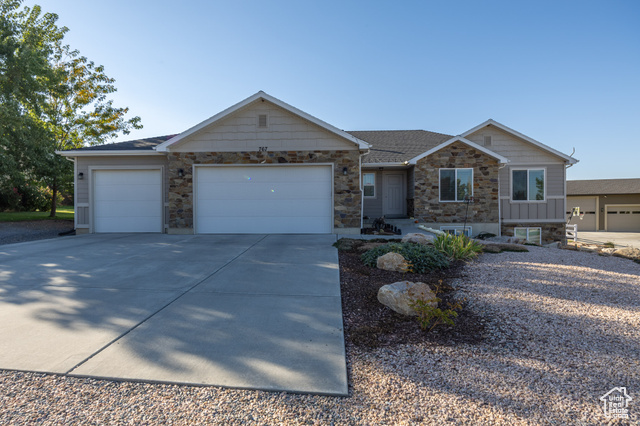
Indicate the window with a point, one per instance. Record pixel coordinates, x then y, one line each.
527 185
530 235
456 184
456 230
369 184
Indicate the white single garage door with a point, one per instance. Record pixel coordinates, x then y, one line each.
263 200
623 218
127 200
588 207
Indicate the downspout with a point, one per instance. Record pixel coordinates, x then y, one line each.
500 201
75 190
361 187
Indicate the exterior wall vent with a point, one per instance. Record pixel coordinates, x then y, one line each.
262 120
487 141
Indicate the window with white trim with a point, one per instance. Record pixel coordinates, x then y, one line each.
457 230
530 235
456 184
528 185
369 184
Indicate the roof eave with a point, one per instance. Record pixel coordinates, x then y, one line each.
104 153
474 145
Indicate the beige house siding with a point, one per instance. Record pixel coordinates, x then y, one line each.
284 132
511 147
83 164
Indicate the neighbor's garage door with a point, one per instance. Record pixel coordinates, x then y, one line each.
127 200
623 218
588 207
263 199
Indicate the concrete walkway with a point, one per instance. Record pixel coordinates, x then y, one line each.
243 311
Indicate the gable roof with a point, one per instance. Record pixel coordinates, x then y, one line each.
165 146
603 186
397 146
532 141
474 145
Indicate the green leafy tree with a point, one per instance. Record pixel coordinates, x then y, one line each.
58 99
78 113
26 43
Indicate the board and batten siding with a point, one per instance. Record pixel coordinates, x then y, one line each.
284 132
83 213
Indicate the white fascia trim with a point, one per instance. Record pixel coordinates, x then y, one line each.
106 153
261 95
474 145
532 141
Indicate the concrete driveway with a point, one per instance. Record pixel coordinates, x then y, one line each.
245 311
620 239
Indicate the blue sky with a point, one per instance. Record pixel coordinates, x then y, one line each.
566 73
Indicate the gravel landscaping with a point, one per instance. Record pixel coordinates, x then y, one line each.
558 329
19 232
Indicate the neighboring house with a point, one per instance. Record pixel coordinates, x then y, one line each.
263 166
604 204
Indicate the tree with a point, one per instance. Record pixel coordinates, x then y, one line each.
26 41
65 103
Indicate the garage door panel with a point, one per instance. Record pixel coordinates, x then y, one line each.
261 191
269 199
127 201
263 225
623 218
271 208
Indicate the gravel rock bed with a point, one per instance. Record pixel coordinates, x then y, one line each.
561 329
19 232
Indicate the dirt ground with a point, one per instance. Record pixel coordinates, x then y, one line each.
369 324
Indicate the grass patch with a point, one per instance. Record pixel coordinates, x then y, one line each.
457 247
62 213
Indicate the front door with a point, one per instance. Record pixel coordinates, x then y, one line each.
393 194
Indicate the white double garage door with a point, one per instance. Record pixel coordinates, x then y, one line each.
227 200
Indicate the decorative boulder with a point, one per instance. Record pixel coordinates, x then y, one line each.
392 262
418 238
398 296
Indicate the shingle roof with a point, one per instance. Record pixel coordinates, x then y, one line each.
135 145
387 146
397 146
603 186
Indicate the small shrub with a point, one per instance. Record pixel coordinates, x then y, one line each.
458 247
422 258
609 244
433 316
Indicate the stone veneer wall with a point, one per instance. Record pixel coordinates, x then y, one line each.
346 192
550 231
427 205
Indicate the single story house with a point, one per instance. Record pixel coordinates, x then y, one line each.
263 166
604 204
